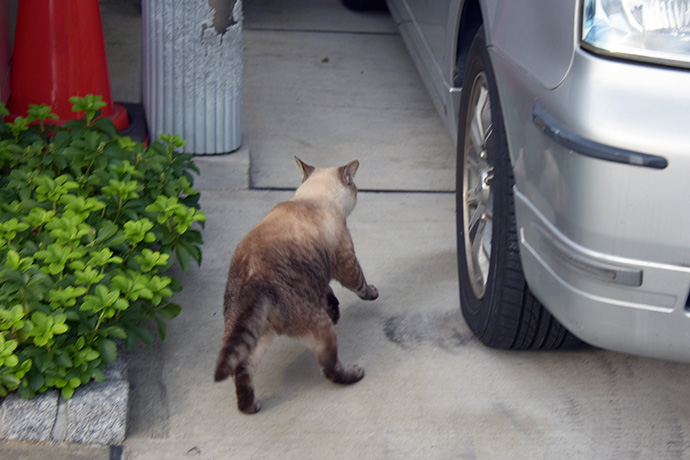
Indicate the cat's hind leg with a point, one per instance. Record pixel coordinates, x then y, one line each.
323 342
244 377
332 306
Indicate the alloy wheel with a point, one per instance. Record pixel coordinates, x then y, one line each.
477 193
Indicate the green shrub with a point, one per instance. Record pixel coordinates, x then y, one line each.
89 221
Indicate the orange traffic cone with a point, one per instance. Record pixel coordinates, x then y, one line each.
59 52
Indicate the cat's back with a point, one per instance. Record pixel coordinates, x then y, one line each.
295 228
298 221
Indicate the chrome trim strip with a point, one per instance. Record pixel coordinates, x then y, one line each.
568 139
602 271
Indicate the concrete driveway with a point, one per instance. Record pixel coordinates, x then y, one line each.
431 390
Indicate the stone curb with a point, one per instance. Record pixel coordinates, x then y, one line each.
96 414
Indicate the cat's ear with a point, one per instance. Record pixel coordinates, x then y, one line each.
305 168
348 171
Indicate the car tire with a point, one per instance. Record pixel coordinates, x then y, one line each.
494 297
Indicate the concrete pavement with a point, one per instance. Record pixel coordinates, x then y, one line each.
333 92
431 390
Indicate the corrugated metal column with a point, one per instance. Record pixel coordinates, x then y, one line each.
192 66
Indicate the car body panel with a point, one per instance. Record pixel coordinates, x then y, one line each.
605 245
523 40
436 65
602 205
430 16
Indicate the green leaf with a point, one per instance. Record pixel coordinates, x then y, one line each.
25 392
25 367
18 126
194 250
123 190
9 381
107 230
174 141
38 217
81 205
53 189
137 231
144 334
116 332
56 256
150 259
11 319
9 361
126 143
67 392
44 327
98 375
64 360
65 297
59 328
162 328
90 354
183 256
108 350
36 382
88 275
170 311
40 113
89 104
72 315
104 256
105 125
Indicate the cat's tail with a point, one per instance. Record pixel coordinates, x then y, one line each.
253 302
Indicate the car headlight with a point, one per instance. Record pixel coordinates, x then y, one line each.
649 30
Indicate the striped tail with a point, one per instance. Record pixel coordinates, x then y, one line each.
238 346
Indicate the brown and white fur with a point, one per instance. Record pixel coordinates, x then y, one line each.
279 278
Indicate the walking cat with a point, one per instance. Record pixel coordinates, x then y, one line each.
278 283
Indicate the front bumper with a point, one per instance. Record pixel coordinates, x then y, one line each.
604 240
627 305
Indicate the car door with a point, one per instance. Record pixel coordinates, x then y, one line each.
431 17
424 27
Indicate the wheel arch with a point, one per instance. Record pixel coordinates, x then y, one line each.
469 22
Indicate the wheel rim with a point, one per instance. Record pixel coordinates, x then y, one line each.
477 193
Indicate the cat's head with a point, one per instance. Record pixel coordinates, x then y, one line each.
335 184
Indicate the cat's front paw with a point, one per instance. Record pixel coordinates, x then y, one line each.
250 409
371 293
352 374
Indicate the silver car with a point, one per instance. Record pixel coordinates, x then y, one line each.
572 123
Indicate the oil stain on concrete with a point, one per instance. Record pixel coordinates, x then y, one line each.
445 330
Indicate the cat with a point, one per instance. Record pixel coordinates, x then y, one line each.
278 282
